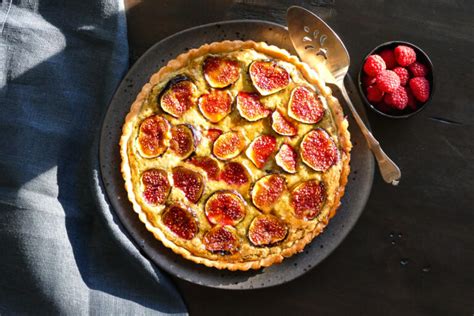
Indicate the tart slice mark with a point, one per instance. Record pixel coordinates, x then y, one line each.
307 199
180 221
153 136
318 150
156 186
267 190
304 106
220 72
179 96
225 208
188 181
250 107
268 77
215 105
266 230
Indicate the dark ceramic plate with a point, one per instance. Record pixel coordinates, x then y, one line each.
357 191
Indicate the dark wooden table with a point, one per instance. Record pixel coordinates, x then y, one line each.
412 251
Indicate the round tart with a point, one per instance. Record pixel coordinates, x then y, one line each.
235 155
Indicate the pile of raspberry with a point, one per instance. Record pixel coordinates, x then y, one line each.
394 79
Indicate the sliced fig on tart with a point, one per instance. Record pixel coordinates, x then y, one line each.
182 141
268 77
286 158
156 186
283 125
179 96
304 106
266 230
228 145
267 191
307 199
215 105
189 182
207 164
224 208
213 133
153 136
180 221
261 149
250 107
220 72
234 173
318 150
222 240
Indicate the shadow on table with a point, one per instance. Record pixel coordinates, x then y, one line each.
55 94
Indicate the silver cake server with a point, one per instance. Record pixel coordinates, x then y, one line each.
320 47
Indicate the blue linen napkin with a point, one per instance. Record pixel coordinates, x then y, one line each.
60 62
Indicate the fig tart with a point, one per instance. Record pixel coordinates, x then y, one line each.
235 155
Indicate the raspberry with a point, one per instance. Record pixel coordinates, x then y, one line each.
374 94
398 99
373 65
404 55
420 88
368 81
389 58
388 81
402 73
417 69
411 99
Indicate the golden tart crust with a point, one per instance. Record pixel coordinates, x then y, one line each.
258 237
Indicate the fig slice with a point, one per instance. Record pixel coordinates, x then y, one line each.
207 164
220 72
266 230
304 106
282 125
222 240
179 96
318 150
182 141
188 181
153 136
180 221
286 158
234 173
156 186
228 145
250 107
215 105
307 199
261 149
267 190
268 77
224 208
213 133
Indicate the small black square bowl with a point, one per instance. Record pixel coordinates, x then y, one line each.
422 57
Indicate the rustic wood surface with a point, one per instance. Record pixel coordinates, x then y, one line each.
412 251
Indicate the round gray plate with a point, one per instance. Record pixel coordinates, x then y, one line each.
357 191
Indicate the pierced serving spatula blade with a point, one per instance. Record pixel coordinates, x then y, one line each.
320 47
317 44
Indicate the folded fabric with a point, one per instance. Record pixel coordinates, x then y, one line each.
60 62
